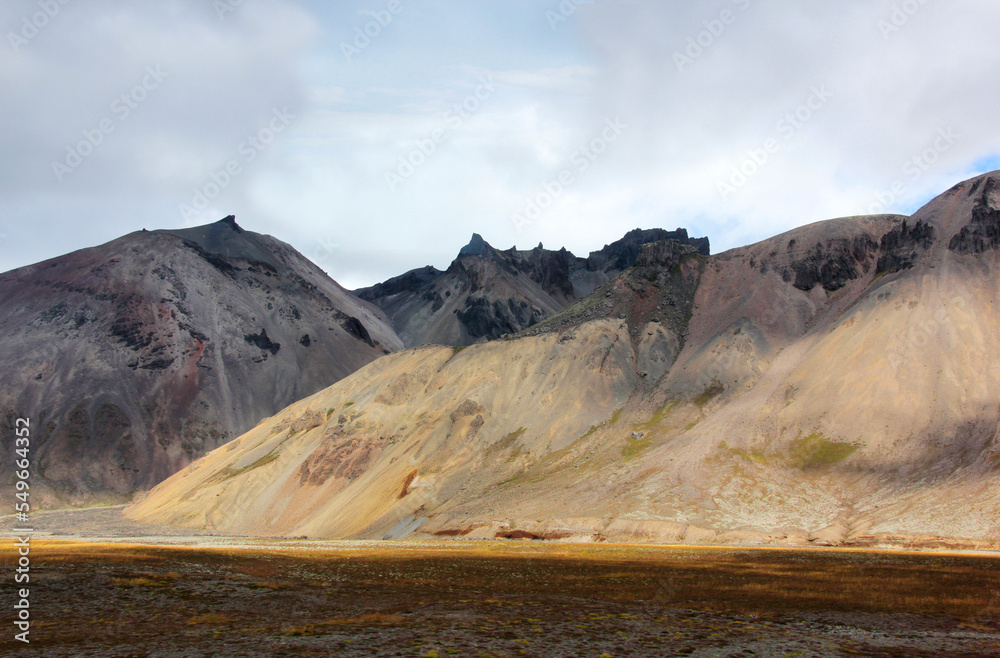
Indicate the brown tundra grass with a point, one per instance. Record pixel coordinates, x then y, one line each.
518 595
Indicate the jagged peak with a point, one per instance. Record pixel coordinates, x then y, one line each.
477 247
230 221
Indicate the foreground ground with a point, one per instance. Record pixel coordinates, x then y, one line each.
502 599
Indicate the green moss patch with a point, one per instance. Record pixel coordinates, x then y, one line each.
755 456
607 423
657 417
815 451
635 447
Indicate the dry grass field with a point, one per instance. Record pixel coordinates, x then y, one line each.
503 599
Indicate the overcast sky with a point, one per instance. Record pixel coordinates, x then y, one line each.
375 137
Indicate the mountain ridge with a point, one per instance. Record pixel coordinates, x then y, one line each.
838 384
486 293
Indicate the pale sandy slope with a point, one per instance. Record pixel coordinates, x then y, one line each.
867 412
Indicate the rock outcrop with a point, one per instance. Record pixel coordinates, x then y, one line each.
982 233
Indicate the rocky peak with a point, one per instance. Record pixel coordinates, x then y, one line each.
230 222
476 247
622 254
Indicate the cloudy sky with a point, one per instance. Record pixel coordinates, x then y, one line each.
375 137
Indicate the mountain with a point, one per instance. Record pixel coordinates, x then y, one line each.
486 293
838 384
134 358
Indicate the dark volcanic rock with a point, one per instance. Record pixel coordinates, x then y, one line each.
133 358
483 319
666 254
409 282
831 264
552 270
982 233
353 326
476 247
262 341
899 246
659 289
486 293
622 254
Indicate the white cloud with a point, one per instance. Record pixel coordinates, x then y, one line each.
321 185
890 96
571 79
216 82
